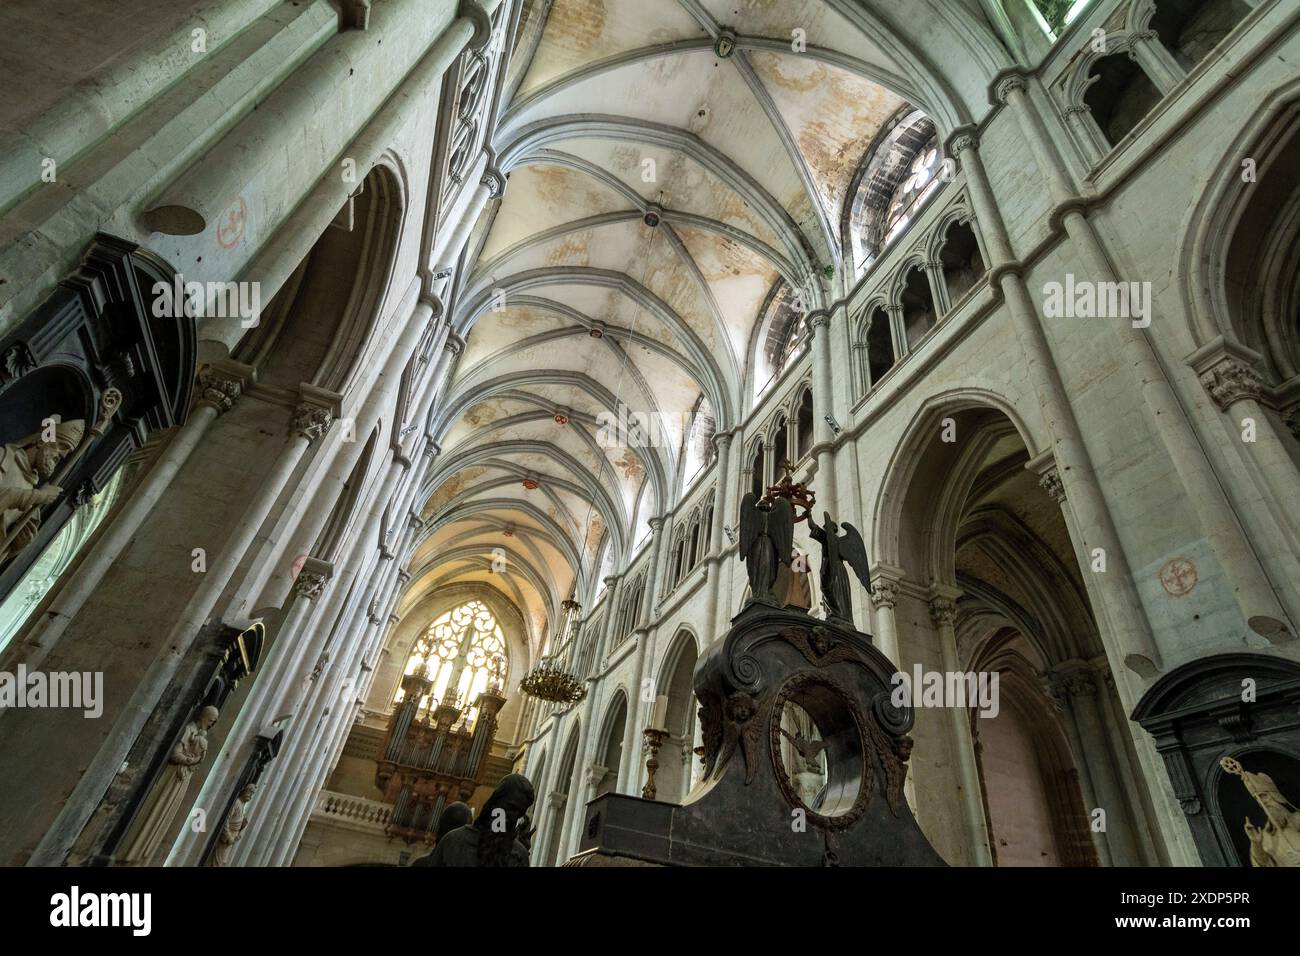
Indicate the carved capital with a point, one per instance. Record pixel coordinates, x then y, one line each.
656 523
943 611
962 142
1050 481
454 344
310 584
219 390
820 319
884 593
1009 85
1230 380
1063 685
495 181
310 421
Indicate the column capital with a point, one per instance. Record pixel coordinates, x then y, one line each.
818 319
1230 381
1229 371
1007 83
495 181
1071 682
312 578
1050 481
962 139
884 592
656 523
943 611
455 344
222 382
310 421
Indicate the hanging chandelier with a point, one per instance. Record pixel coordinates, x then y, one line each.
552 680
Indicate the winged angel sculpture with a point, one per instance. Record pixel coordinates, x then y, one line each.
766 540
838 550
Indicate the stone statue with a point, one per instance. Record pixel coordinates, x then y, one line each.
233 829
837 550
23 466
766 542
1277 843
454 816
493 838
169 793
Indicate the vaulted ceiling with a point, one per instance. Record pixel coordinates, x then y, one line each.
737 127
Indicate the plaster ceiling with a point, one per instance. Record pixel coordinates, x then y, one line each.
614 108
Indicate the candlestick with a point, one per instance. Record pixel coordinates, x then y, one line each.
655 739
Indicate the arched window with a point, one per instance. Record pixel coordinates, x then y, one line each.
678 562
879 340
917 186
918 306
900 173
804 425
1190 29
960 258
1120 94
698 449
694 551
780 448
707 523
783 335
464 652
757 483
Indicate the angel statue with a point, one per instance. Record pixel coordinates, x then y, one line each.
766 541
836 550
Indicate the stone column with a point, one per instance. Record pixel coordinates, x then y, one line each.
943 611
555 801
823 405
648 601
884 595
898 330
289 685
219 387
311 420
1230 376
1135 644
723 480
938 288
1244 569
1075 690
607 625
1152 58
577 793
725 509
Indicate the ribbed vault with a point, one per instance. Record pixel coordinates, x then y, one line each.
668 165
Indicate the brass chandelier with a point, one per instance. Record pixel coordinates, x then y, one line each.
552 679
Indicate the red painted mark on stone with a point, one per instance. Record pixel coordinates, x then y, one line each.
230 227
1178 577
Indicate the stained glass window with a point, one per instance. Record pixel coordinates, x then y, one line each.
913 190
465 653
